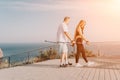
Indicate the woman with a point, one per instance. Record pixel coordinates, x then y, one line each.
79 38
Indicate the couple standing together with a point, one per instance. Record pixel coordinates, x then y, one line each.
62 38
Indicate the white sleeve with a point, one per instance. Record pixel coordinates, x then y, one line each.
57 36
65 28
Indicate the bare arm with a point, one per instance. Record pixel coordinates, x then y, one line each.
68 36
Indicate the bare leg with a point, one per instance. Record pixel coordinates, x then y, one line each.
66 58
62 58
66 53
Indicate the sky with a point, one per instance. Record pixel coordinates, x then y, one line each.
33 21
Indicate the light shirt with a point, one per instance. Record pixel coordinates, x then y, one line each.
61 37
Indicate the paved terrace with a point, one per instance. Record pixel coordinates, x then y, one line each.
104 69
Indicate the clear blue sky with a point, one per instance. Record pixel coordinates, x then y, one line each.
37 20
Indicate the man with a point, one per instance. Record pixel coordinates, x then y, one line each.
62 39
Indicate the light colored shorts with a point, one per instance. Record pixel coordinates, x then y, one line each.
63 48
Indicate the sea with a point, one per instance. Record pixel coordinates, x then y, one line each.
18 48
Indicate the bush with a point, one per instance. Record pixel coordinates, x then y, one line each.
48 54
89 53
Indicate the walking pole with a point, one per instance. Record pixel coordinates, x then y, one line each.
60 42
55 42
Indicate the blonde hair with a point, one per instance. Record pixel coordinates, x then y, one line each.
79 25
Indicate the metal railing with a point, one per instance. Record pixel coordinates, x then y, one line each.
32 56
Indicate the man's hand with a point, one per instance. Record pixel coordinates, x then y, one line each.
72 43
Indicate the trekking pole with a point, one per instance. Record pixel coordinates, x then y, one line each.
55 42
61 42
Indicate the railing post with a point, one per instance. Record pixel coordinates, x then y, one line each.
9 62
28 57
0 62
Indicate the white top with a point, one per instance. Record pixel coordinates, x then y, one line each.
61 37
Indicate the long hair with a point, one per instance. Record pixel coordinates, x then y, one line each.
79 25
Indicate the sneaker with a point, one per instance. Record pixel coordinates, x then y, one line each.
78 65
69 63
63 65
90 63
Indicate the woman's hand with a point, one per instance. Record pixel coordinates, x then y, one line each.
87 42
